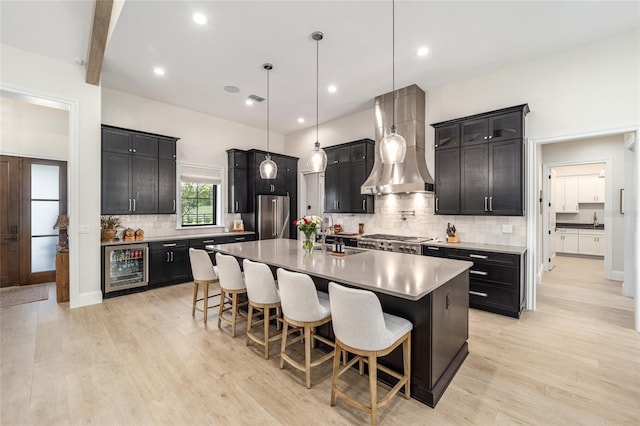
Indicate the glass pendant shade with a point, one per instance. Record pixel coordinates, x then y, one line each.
393 148
317 161
268 169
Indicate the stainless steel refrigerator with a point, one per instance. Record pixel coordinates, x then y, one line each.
273 216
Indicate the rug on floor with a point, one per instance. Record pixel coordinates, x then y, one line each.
10 296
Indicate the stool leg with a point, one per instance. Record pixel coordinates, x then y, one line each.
221 310
234 311
195 297
278 317
406 356
334 377
283 343
249 322
205 301
307 354
373 386
265 313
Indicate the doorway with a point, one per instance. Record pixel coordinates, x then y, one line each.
34 194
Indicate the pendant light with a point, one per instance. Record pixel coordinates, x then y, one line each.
268 169
393 147
317 161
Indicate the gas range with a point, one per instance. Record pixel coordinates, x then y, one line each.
395 243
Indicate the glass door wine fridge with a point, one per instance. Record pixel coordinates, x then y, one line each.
126 266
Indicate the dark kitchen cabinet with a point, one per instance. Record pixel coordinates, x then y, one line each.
237 181
138 172
496 280
168 262
491 164
447 180
348 166
291 188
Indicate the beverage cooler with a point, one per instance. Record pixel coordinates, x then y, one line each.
126 266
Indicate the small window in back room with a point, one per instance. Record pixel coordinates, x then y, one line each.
200 196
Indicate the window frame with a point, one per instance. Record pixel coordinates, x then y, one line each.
182 176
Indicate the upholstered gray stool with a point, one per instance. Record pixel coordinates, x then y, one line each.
263 297
305 308
203 273
231 286
362 329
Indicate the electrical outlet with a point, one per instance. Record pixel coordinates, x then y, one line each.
83 229
507 229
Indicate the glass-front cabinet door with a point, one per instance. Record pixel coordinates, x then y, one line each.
505 126
475 131
447 136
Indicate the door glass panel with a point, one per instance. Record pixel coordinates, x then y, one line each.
474 131
43 253
447 137
43 216
506 126
45 182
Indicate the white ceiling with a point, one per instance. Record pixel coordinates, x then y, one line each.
465 39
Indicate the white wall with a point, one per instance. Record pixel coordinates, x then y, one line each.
26 72
29 130
592 150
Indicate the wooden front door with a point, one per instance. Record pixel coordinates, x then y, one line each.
9 220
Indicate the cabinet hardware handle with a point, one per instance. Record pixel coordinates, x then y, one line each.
490 137
240 238
169 245
486 137
437 208
364 204
134 204
208 241
134 150
478 256
490 204
129 204
471 271
130 150
237 205
174 205
433 248
485 204
167 257
171 256
477 293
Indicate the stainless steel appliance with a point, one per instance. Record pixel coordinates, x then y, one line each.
396 243
126 266
273 216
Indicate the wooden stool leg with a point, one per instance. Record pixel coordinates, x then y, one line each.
336 368
307 354
205 301
406 357
283 344
249 322
234 311
195 297
221 310
278 317
373 386
265 313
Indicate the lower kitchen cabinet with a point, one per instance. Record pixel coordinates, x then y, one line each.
591 242
168 262
496 280
566 241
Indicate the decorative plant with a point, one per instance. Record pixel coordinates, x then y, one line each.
309 226
109 222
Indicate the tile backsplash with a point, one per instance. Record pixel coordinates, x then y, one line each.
164 225
419 220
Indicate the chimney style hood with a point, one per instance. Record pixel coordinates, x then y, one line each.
412 175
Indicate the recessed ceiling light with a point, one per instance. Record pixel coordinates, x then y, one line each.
248 102
199 18
231 89
158 71
422 51
300 120
332 89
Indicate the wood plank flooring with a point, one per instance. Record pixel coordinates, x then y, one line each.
142 360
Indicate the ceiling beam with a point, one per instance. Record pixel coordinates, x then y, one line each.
98 40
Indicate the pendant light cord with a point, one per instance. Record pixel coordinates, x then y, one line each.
317 83
268 100
393 61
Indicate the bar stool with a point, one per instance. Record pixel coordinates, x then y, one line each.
363 329
263 296
305 309
203 273
231 286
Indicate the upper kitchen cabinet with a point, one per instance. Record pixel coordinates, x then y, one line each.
237 181
348 166
132 163
483 174
591 189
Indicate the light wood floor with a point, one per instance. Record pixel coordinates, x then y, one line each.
141 359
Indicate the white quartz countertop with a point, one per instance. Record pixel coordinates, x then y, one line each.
176 237
478 246
402 275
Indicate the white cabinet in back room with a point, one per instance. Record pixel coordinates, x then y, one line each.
591 242
566 241
566 197
591 189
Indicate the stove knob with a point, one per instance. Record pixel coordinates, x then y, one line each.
402 249
413 250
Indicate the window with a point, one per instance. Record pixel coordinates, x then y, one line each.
200 196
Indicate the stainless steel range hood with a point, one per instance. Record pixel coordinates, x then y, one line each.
412 175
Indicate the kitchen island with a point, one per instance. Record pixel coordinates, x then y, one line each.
432 293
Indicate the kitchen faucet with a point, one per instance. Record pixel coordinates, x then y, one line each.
323 228
595 219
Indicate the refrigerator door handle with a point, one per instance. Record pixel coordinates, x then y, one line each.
274 204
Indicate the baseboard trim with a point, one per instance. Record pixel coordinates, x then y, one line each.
616 276
86 299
